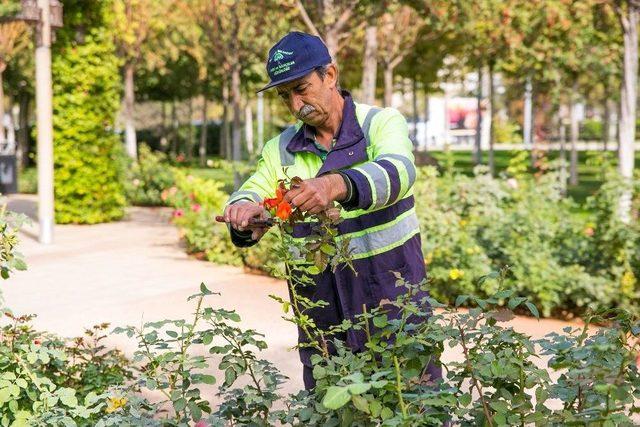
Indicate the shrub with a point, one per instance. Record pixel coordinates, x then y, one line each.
197 201
89 165
591 130
506 132
470 224
148 177
28 181
44 377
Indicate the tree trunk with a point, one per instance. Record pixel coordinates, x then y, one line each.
129 101
23 131
527 121
388 85
426 119
606 118
331 40
477 149
248 128
370 64
3 138
164 142
628 95
492 165
575 129
225 144
237 128
563 158
202 149
191 134
174 129
414 119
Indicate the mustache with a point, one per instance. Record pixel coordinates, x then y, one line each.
304 111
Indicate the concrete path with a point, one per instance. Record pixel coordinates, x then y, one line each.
135 269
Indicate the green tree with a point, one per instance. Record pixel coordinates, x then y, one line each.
628 12
14 37
87 154
137 26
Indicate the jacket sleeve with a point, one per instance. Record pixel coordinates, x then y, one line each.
392 172
260 185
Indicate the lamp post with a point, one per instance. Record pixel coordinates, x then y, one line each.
45 15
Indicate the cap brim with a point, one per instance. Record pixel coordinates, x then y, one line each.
296 76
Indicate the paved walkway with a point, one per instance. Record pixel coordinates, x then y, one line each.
135 269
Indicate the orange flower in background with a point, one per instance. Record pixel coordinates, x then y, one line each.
283 211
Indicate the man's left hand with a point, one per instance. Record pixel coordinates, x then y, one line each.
317 194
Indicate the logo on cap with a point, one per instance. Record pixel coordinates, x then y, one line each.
279 55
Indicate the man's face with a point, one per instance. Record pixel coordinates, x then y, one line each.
309 98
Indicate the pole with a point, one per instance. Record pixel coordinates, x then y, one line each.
260 116
44 125
528 113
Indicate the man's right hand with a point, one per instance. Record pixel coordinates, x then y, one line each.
239 214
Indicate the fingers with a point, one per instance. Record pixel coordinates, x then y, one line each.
258 233
239 214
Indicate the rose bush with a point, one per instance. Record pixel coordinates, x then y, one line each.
499 379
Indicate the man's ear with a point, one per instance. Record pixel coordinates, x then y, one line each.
332 75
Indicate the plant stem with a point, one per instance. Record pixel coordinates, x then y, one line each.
403 407
474 380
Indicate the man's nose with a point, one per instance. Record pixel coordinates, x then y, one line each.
296 102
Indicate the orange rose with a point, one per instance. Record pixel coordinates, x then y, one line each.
284 211
274 202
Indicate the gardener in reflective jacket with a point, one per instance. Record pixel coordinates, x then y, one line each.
357 155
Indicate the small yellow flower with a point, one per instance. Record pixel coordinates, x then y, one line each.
628 282
455 274
463 222
115 403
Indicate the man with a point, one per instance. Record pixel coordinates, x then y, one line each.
354 154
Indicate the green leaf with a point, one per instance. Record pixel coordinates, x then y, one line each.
179 404
380 321
499 406
464 400
504 294
516 301
319 372
532 308
386 413
204 290
461 299
336 397
328 249
375 407
207 379
360 403
359 388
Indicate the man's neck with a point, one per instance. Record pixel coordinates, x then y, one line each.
327 130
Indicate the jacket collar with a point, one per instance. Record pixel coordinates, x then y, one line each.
350 147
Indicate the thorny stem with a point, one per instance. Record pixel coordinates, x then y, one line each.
474 380
367 332
234 342
403 406
294 299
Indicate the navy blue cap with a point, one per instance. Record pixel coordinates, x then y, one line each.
294 56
